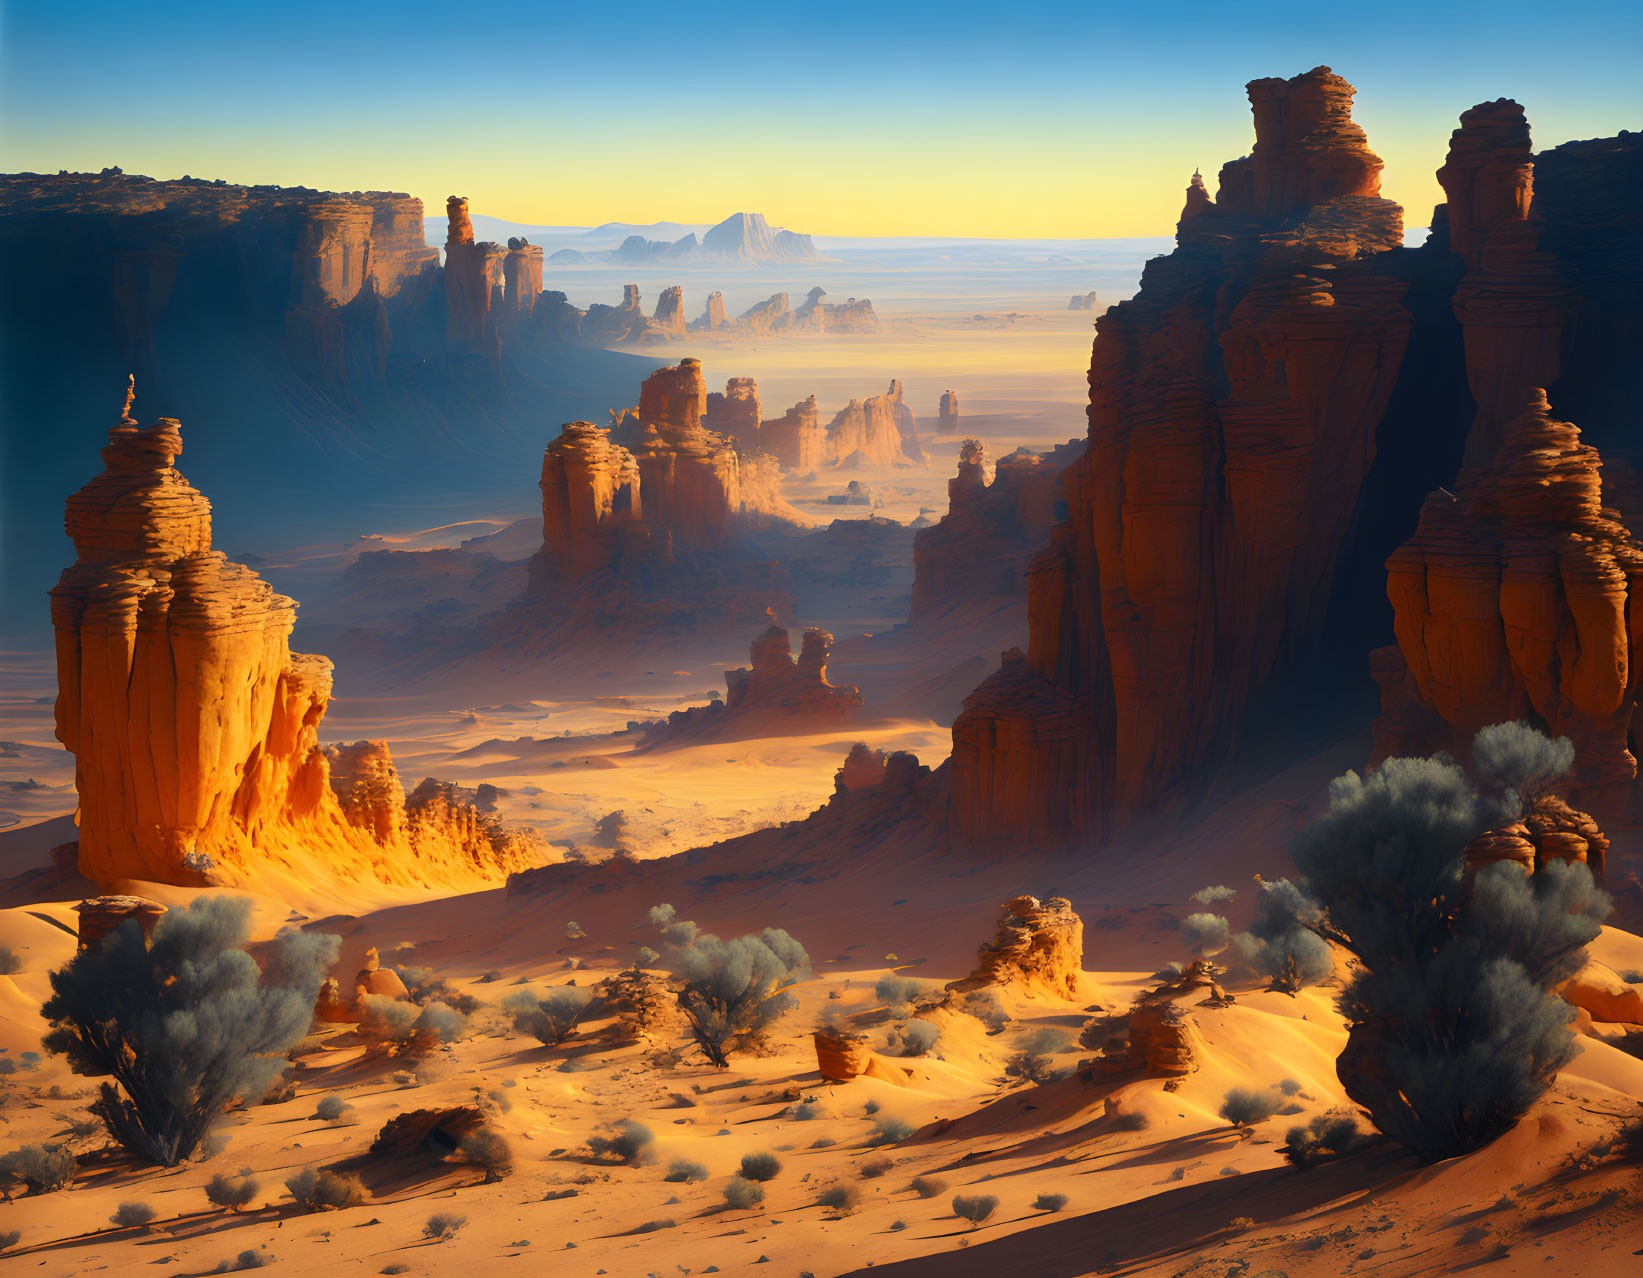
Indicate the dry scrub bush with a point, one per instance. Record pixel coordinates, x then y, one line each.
320 1189
974 1208
41 1169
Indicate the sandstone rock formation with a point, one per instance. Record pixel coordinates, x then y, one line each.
842 1055
735 413
1550 830
669 320
194 727
100 915
773 688
713 317
1083 301
881 430
947 422
981 548
592 512
1037 948
1233 404
797 439
1514 599
473 273
521 281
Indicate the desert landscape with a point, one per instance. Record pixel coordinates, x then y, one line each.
940 754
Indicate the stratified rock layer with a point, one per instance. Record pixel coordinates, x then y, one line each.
1036 947
194 727
1513 600
881 430
1233 405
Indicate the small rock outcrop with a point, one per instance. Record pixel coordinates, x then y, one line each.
1037 947
1550 830
947 422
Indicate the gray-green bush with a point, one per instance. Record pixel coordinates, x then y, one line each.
631 1142
131 1215
918 1037
442 1225
742 1194
683 1171
1204 934
1050 1202
185 1025
731 991
320 1189
761 1167
1282 944
551 1016
331 1108
1246 1106
1326 1136
41 1169
232 1192
928 1186
974 1208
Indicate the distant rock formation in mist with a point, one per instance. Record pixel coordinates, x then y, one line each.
745 237
947 422
627 324
773 690
195 728
1082 301
881 431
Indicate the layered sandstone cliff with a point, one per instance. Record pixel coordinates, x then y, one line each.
1233 407
981 548
194 727
881 430
473 275
1514 600
797 439
948 420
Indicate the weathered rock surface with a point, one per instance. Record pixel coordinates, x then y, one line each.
473 274
1550 830
1233 404
735 413
981 548
947 422
1514 599
881 430
1037 947
194 727
797 439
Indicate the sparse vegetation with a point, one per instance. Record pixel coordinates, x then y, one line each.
1204 934
631 1142
232 1192
489 1149
1050 1202
987 1007
761 1167
551 1017
896 991
1282 944
10 964
185 1025
918 1037
928 1186
41 1169
1032 1062
840 1198
1454 1028
9 1238
131 1215
732 991
974 1208
331 1108
443 1225
1327 1136
876 1167
405 1028
682 1171
247 1259
320 1189
1131 1120
743 1194
1246 1106
890 1131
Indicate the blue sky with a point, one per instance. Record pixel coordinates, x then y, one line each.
1044 119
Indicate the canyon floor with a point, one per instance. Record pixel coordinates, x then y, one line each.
1155 1181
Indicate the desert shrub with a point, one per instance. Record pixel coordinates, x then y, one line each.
839 1198
42 1169
890 1131
185 1025
918 1037
895 990
442 1225
928 1186
731 991
974 1208
573 931
682 1171
425 987
1131 1120
247 1259
870 1108
1246 1106
331 1108
1050 1202
489 1149
1453 1027
10 964
742 1194
1032 1062
651 1226
873 1168
1326 1136
131 1215
9 1238
987 1007
761 1167
551 1017
1282 944
1204 934
1289 1087
806 1111
320 1189
232 1192
1208 896
631 1142
680 934
407 1028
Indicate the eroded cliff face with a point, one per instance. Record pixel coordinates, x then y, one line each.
1233 407
979 550
881 430
797 439
194 727
1514 600
592 512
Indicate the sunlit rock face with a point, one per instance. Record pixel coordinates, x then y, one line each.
1233 407
194 727
1515 600
881 430
473 278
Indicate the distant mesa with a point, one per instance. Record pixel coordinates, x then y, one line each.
744 237
1082 301
627 324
